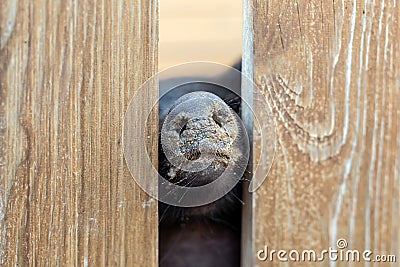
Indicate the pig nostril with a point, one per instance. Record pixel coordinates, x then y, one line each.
216 120
182 129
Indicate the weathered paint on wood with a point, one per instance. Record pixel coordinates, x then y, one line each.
331 74
67 72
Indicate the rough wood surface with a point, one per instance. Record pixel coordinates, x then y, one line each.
331 74
67 72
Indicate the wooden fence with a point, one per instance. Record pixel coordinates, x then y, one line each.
329 70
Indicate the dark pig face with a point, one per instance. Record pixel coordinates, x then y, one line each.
197 138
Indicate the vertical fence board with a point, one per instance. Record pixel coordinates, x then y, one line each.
67 72
330 72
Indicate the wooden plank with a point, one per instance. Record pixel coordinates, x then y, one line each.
68 70
330 72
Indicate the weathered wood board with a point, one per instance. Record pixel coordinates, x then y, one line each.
330 71
67 72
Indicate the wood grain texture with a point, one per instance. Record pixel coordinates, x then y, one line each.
67 72
330 72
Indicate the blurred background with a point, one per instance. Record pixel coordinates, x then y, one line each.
205 30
